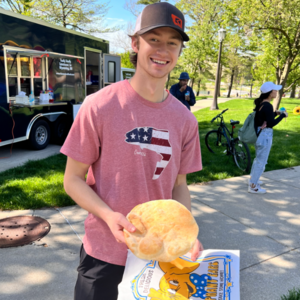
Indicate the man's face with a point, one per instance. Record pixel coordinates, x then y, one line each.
183 82
158 51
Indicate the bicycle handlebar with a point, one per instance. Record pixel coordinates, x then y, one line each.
219 115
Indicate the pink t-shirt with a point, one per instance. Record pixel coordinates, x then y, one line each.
136 149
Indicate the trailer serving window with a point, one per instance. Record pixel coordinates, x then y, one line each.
31 70
25 73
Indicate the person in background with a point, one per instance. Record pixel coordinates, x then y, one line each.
183 92
264 123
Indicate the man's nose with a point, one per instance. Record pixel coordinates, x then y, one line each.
162 48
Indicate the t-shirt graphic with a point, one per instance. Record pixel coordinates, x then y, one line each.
153 139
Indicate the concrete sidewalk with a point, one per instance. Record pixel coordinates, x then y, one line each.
21 154
265 228
207 103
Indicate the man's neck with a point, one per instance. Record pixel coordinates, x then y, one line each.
150 88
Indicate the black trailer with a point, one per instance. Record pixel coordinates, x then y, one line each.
37 57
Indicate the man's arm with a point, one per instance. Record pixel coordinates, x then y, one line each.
76 187
181 193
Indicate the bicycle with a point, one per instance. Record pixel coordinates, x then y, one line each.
222 141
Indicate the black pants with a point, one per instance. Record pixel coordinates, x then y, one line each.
97 279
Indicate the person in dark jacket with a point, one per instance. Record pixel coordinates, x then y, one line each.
183 92
265 120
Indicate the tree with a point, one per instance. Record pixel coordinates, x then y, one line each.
82 15
125 60
23 7
207 18
276 30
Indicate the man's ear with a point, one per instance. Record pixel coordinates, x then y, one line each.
135 44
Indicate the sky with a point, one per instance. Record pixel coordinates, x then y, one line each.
117 16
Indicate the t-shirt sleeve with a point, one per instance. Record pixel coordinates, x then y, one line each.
83 141
191 152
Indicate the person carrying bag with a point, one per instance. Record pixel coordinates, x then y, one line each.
264 122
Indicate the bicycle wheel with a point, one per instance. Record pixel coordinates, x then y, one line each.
216 142
241 156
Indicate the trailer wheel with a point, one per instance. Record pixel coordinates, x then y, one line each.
39 135
60 130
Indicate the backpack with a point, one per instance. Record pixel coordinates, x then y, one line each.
247 133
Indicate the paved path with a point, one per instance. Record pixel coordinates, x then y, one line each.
265 228
207 103
21 154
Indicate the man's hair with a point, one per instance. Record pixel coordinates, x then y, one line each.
133 57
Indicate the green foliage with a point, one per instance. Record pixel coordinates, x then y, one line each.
275 32
23 7
293 294
125 60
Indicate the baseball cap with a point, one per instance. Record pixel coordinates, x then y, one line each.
270 86
161 14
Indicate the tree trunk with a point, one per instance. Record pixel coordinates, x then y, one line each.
282 81
192 83
199 84
299 93
231 83
293 92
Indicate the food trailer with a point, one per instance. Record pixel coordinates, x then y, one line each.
46 71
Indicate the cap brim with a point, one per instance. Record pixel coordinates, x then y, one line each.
277 87
182 33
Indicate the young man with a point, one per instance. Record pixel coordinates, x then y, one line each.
128 138
180 90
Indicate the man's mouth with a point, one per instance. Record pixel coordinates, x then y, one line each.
160 62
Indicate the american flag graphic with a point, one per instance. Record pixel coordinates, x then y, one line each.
156 140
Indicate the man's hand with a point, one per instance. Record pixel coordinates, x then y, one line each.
195 250
183 88
117 222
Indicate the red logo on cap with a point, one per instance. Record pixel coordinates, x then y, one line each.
177 21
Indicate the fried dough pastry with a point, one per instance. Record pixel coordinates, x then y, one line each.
165 230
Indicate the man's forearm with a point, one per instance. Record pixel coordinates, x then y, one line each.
181 193
86 198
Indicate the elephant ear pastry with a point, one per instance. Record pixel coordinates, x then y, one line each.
165 230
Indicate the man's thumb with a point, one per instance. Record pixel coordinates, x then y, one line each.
127 225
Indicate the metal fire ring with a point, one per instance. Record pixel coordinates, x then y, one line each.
22 230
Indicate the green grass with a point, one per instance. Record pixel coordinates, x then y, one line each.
292 295
285 148
39 184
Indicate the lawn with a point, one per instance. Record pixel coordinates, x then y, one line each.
40 183
37 184
284 153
